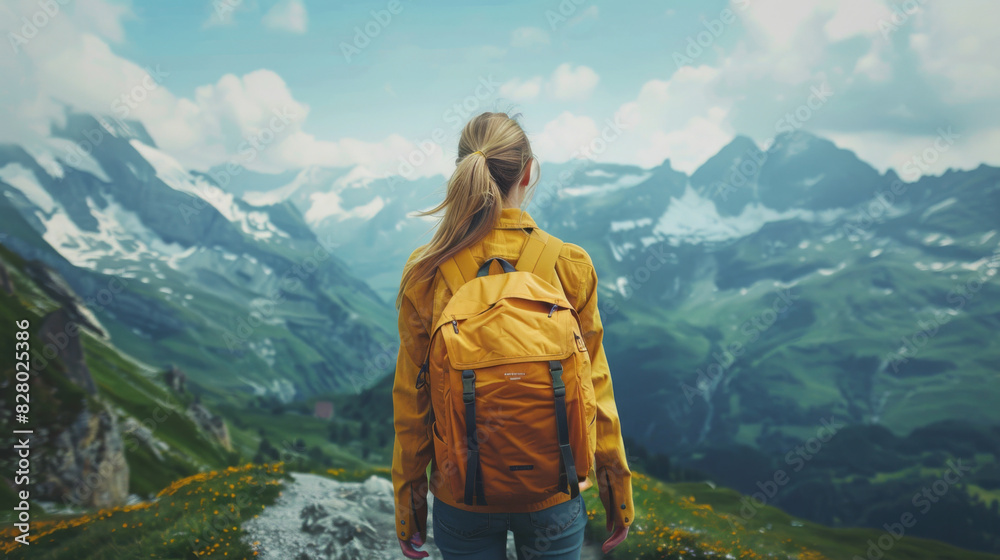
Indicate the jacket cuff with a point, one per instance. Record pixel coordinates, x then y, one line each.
615 485
411 510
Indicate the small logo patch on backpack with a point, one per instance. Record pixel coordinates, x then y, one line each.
521 467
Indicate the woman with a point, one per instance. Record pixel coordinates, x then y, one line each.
482 212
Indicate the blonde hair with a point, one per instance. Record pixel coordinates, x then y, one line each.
493 154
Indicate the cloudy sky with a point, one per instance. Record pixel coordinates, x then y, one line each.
364 84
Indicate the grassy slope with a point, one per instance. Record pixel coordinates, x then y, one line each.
200 516
693 520
195 517
125 385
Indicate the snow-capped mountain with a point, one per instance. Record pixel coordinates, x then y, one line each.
686 264
247 295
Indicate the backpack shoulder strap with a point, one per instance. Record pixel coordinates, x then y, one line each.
459 269
540 254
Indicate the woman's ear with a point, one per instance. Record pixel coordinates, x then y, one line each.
527 174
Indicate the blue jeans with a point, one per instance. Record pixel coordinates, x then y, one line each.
554 533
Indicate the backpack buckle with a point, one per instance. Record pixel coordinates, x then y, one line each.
468 386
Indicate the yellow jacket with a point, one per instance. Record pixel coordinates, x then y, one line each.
413 447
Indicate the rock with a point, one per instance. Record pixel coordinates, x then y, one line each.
175 379
56 287
5 284
132 430
84 465
210 423
61 332
317 518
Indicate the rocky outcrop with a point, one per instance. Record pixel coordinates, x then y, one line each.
84 465
210 423
5 284
56 287
135 433
317 518
175 379
60 336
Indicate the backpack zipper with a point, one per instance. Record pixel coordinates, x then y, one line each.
454 324
553 310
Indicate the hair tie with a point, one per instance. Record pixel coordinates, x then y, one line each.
479 152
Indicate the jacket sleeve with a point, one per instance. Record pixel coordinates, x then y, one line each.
412 447
614 479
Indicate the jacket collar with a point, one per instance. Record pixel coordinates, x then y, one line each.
515 218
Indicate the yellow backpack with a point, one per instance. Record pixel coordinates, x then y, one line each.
509 376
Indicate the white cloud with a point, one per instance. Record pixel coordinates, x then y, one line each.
223 12
564 138
677 119
62 59
848 18
67 63
255 121
528 37
102 18
572 83
590 13
287 15
521 90
961 46
911 156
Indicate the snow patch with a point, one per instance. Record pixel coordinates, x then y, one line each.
630 224
255 223
24 180
694 218
939 206
623 182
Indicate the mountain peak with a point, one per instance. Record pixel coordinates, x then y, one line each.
85 125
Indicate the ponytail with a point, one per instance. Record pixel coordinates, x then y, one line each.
493 153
